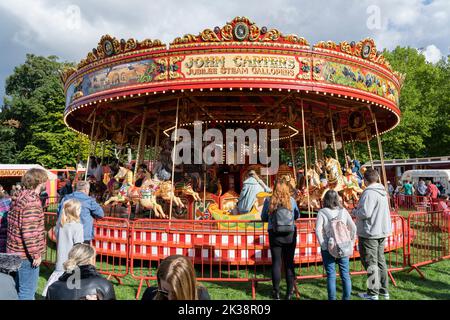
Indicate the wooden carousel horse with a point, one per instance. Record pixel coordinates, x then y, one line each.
314 190
186 188
351 188
335 176
129 193
166 192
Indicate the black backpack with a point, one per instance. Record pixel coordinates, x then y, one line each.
283 221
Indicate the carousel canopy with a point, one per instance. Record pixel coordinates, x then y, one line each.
239 75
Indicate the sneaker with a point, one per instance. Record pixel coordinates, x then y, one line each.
366 296
385 296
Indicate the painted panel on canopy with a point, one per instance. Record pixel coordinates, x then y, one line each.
115 77
355 77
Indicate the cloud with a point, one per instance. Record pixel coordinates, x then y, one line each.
71 28
432 53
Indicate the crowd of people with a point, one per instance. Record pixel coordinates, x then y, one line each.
75 276
336 233
422 188
22 243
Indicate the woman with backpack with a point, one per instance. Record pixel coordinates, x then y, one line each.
336 232
281 211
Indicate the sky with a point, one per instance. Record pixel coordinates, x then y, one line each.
69 29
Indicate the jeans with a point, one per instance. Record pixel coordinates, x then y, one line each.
373 260
329 263
27 280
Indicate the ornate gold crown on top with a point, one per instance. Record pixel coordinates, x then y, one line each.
110 46
240 29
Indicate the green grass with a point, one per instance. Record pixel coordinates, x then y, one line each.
410 286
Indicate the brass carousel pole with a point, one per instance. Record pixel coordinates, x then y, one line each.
333 133
173 160
369 149
343 146
90 143
353 148
157 130
321 153
380 147
141 142
204 179
306 159
293 159
315 145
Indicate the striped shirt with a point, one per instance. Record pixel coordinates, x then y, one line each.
26 232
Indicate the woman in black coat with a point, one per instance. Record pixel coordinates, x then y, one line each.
81 281
9 263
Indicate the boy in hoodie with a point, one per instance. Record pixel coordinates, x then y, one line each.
373 223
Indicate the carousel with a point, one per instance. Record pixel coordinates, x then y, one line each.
139 94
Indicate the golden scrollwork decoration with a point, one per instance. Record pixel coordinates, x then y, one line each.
66 73
173 68
209 36
271 35
130 45
227 32
254 33
185 39
330 45
109 46
162 63
296 39
240 29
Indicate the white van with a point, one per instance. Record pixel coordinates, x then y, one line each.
443 176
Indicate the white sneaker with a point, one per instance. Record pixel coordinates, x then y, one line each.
385 296
366 296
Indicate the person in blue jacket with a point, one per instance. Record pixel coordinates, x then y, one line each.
251 187
90 209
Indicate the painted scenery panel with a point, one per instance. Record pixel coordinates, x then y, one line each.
355 77
113 77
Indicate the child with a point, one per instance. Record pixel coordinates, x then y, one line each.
69 231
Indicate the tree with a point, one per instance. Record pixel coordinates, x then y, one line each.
35 98
423 102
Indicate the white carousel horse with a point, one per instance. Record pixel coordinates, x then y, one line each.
335 176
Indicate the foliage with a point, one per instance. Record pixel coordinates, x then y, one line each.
424 130
35 98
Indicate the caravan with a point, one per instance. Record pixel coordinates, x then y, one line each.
443 176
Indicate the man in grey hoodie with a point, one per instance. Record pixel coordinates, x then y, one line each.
373 223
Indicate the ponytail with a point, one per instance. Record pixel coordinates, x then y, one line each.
80 255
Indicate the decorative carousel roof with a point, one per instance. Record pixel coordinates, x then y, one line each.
238 72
